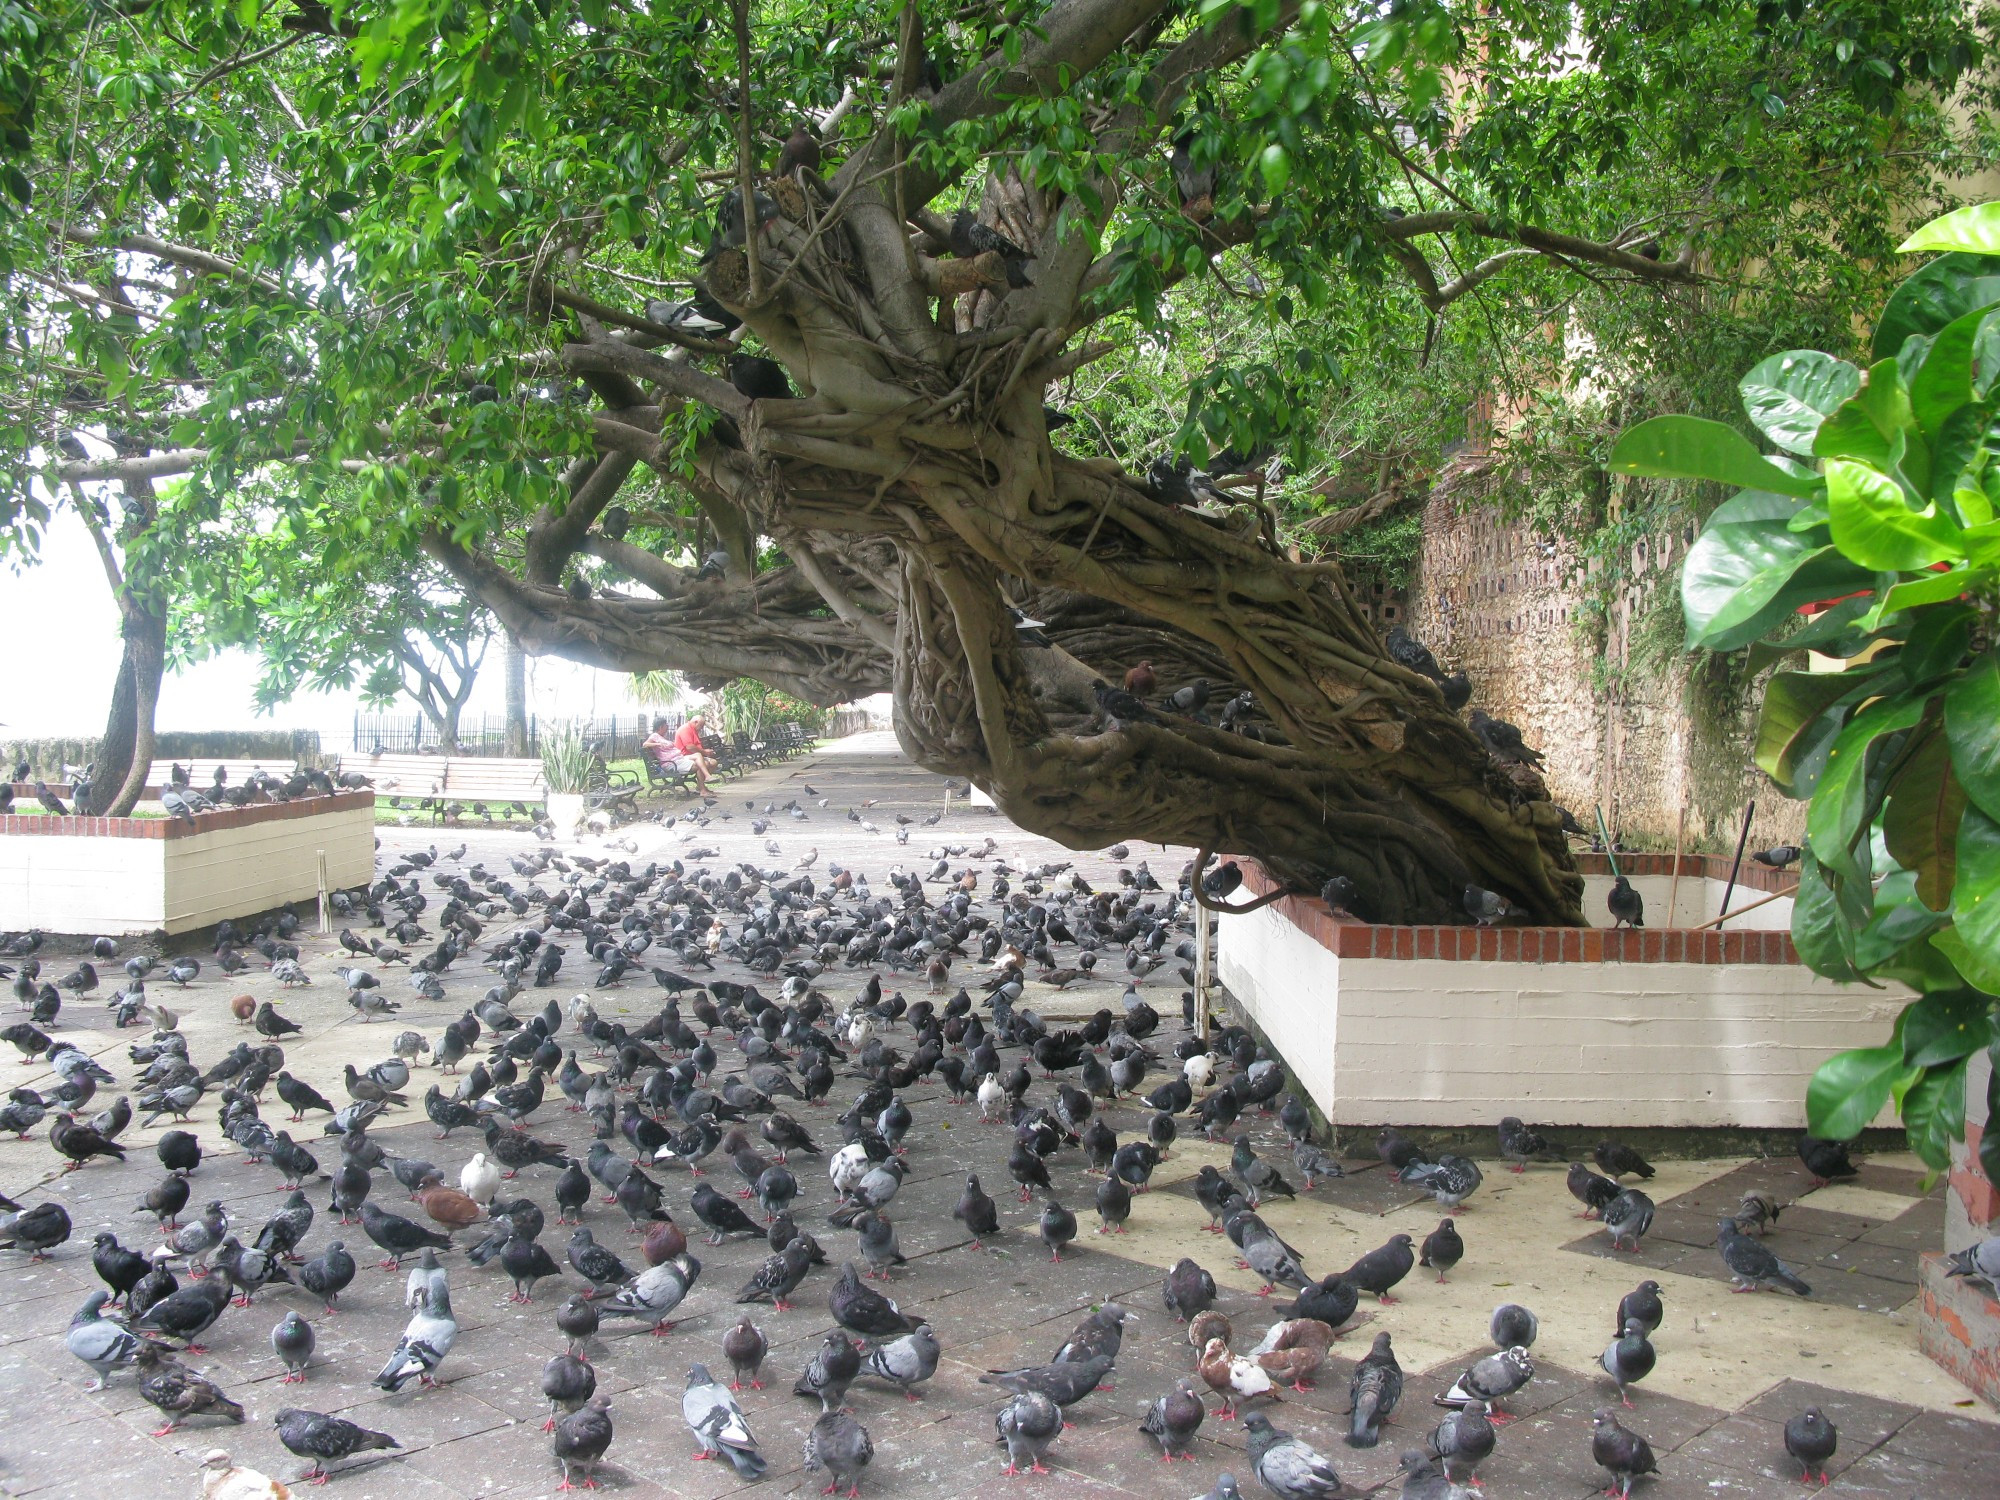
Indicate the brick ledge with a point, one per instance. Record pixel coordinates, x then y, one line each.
48 824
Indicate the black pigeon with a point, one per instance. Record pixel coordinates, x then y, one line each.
1620 1160
325 1439
397 1235
1380 1269
1188 1290
1624 1454
1443 1248
863 1310
1811 1439
1826 1160
1592 1191
1372 1392
1628 908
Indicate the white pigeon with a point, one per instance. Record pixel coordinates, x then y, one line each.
1199 1071
992 1098
848 1166
860 1027
479 1179
223 1480
427 1339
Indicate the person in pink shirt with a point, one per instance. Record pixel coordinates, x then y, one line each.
682 751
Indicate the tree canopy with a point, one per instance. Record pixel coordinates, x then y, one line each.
476 285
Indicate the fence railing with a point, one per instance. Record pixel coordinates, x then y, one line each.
616 735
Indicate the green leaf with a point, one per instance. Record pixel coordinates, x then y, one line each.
1740 581
1901 922
1974 229
1875 527
1944 384
1933 588
1851 1088
1940 293
1790 394
1795 705
1946 1025
1934 1113
1843 804
1971 967
1972 725
1755 505
1975 897
1920 822
1819 930
1696 448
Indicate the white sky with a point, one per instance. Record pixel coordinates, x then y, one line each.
64 648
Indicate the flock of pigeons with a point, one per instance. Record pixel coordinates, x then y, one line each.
719 1083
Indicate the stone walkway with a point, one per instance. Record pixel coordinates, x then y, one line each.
1731 1368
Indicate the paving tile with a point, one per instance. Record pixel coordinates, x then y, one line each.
1894 1476
1862 1421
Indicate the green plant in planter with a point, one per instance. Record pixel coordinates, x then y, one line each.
566 758
1882 502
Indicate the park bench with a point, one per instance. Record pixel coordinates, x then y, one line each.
201 772
435 781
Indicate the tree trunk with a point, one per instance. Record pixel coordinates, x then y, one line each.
126 756
514 662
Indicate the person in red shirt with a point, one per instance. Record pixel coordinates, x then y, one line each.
683 751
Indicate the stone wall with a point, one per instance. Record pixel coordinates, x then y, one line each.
1492 599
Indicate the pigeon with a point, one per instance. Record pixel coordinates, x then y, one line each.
186 1314
1462 1441
1450 1179
427 1339
1621 1160
713 1416
1811 1439
1825 1159
1188 1290
1751 1266
862 1310
1065 1382
1627 1218
1492 1380
576 1321
581 1438
1642 1303
1027 1425
1977 1263
1514 1326
655 1292
829 1373
595 1263
1627 906
1629 1358
1442 1248
224 1480
1425 1478
1380 1269
839 1447
1592 1191
398 1236
292 1340
745 1346
976 1211
1288 1468
328 1273
99 1342
325 1439
178 1391
1058 1228
568 1382
1372 1393
1757 1211
1233 1377
779 1276
1622 1453
905 1362
1173 1420
1520 1145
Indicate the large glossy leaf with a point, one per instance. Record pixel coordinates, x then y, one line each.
1946 1025
1934 587
1972 725
1843 802
1755 505
1920 822
1875 527
1938 294
1944 384
1790 394
1819 931
1974 228
1975 897
1696 448
1933 1108
1795 705
1900 922
1741 581
1850 1088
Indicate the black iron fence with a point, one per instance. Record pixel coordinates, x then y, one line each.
617 736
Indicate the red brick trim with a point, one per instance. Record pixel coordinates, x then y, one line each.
176 828
1346 938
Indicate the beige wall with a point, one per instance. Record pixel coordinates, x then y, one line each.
117 885
1442 1043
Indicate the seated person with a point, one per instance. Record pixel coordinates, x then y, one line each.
681 751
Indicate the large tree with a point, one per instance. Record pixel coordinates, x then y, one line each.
448 252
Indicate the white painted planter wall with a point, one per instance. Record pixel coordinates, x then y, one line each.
1463 1042
106 884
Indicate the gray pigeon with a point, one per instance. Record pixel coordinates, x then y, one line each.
907 1361
1027 1425
713 1416
1225 1488
1450 1179
1623 1453
655 1292
581 1437
1751 1265
1174 1419
325 1439
1287 1467
1513 1325
1492 1380
830 1371
427 1339
1627 1218
1811 1439
1979 1263
1064 1383
568 1382
1462 1441
1372 1393
97 1341
292 1340
839 1447
1628 1359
